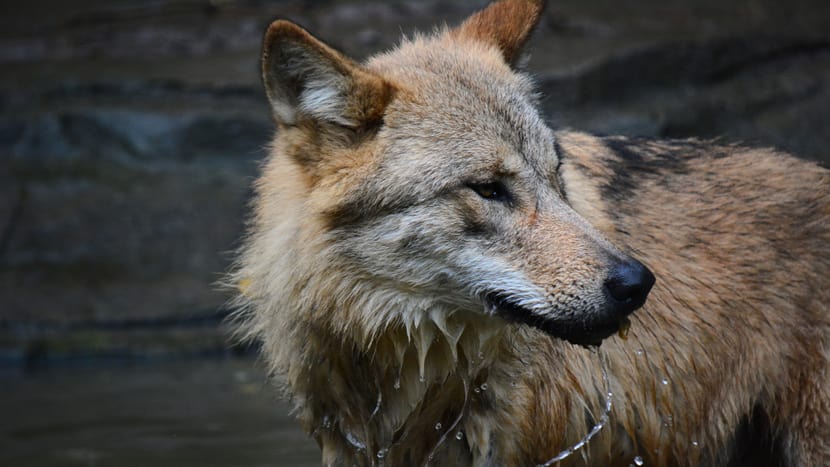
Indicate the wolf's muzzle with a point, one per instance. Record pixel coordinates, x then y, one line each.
626 289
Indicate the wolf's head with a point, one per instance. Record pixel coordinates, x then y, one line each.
429 171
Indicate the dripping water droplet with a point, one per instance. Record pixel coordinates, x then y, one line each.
483 386
459 436
665 382
397 384
695 443
438 426
638 460
352 439
381 453
625 325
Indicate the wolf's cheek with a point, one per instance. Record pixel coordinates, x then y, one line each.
411 248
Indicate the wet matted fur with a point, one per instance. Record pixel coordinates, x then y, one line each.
424 251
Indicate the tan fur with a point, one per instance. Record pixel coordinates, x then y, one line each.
370 257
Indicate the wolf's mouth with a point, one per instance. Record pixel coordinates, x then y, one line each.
589 333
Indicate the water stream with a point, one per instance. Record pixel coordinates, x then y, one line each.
603 419
454 423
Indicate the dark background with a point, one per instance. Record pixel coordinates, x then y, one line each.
130 133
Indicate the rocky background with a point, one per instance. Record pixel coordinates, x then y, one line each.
130 132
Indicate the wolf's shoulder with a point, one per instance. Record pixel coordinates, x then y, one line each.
623 161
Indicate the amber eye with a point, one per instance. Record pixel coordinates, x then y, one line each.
495 191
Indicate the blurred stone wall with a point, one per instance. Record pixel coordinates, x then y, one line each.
130 132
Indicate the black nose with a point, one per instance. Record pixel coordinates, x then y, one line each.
628 285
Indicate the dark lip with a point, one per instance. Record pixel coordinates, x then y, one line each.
582 334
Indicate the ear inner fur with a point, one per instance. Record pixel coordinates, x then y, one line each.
306 79
506 24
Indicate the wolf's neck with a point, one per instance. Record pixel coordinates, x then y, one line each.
415 385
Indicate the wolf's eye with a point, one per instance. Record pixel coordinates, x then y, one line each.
495 191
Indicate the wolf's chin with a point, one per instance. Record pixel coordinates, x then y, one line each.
584 334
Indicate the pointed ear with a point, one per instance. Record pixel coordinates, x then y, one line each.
307 80
507 24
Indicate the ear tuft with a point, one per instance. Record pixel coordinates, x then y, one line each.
306 79
507 24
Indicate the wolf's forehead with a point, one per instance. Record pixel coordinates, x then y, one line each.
465 102
441 72
470 141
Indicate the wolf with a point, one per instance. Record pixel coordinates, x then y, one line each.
437 277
